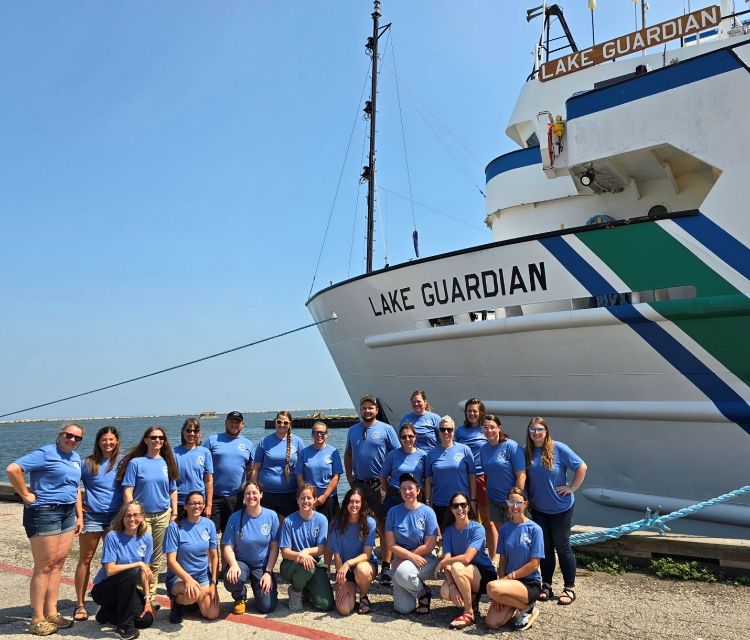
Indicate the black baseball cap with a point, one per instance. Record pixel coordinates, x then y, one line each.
404 477
235 415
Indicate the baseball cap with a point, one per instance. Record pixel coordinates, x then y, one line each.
235 415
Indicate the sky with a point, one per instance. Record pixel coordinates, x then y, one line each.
168 169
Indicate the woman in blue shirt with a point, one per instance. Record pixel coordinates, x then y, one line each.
126 554
192 561
406 459
195 465
320 465
51 517
520 548
449 468
547 466
411 532
424 420
251 547
468 568
351 540
149 474
101 501
274 464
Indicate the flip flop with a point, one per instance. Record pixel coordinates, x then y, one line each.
364 606
462 621
569 596
80 614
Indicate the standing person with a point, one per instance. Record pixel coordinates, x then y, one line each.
303 541
467 565
251 547
411 530
520 548
232 457
192 561
367 444
149 475
126 554
352 540
275 460
424 421
505 468
101 502
547 466
320 465
405 459
51 517
195 464
449 468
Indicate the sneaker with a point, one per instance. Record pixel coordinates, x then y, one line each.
175 612
524 619
130 633
295 599
385 578
239 607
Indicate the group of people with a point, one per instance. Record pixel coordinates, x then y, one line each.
225 509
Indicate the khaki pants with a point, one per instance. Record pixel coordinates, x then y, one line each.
157 524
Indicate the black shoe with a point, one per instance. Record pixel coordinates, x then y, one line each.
130 633
175 613
101 616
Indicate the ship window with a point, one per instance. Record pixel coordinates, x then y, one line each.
532 140
445 321
657 210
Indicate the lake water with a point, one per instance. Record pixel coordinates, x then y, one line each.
21 437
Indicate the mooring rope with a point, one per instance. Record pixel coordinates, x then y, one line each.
652 521
172 368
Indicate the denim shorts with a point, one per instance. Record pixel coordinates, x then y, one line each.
171 580
49 519
97 522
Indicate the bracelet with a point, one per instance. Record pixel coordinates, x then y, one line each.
269 571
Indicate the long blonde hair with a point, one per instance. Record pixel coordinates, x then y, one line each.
548 449
118 523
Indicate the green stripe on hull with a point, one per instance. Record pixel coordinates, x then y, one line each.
645 257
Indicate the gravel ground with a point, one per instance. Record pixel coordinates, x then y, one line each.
634 605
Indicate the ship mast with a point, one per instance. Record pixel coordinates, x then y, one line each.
368 172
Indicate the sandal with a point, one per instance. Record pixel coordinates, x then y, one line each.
475 603
568 596
546 593
423 603
80 614
462 621
364 605
59 621
42 628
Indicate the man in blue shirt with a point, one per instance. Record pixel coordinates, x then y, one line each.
232 455
367 444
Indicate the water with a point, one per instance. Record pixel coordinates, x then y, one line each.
21 437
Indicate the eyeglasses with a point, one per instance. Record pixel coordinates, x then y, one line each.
72 436
156 438
283 423
460 505
536 430
446 430
192 430
407 437
320 434
133 515
195 504
514 503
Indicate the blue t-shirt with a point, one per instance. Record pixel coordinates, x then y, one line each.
251 537
398 462
426 428
149 478
271 456
121 548
231 458
474 438
449 469
193 465
318 466
369 448
501 463
298 534
456 542
103 493
542 482
191 543
519 543
410 527
348 544
54 475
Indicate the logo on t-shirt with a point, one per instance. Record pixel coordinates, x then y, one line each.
376 435
316 532
421 524
141 550
525 538
241 446
75 463
265 529
164 470
205 535
200 460
502 457
458 457
327 459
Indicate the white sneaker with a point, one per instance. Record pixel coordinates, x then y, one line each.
295 599
524 619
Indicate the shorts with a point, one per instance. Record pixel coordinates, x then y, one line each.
350 573
49 519
373 497
284 504
533 588
499 512
486 576
329 508
392 498
482 499
172 580
440 511
97 522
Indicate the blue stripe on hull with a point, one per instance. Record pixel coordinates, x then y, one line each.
717 240
727 401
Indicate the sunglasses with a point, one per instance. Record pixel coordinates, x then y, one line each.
283 423
446 430
320 434
514 503
72 436
407 437
156 438
192 430
536 430
460 505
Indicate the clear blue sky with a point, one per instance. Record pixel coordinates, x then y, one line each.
168 168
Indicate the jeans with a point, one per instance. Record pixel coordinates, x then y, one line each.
408 582
263 602
556 529
121 601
